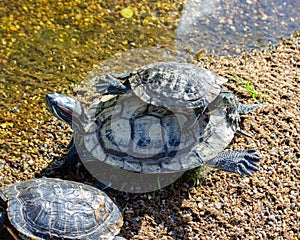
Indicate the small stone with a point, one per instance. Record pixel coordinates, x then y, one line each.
41 150
31 162
218 205
126 13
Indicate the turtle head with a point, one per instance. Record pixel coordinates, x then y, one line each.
67 109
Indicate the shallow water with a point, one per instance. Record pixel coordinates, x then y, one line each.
226 27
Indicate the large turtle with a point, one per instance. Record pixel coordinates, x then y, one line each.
50 208
166 84
126 132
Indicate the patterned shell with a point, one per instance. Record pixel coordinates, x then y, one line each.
132 135
176 85
58 209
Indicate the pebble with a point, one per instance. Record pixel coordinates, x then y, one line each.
126 13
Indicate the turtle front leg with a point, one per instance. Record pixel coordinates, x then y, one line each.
243 162
109 84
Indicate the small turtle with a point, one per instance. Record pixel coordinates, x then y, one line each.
126 132
166 84
50 208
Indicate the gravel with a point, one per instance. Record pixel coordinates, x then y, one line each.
221 205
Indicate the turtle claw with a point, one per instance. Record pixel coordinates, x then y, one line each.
251 162
246 168
247 162
241 170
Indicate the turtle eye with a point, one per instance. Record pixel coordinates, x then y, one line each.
187 90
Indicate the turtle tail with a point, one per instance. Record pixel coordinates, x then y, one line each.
246 108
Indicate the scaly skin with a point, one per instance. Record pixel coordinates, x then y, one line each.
243 162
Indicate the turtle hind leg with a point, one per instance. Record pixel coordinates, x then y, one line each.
243 162
73 164
110 85
246 108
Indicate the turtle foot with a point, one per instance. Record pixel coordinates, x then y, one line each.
243 162
110 85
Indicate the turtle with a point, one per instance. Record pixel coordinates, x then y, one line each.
124 131
166 84
51 208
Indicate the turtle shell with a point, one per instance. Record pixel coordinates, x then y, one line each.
128 133
58 209
176 85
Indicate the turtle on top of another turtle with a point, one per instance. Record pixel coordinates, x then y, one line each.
49 208
166 84
144 131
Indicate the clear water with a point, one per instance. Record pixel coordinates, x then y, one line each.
226 27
